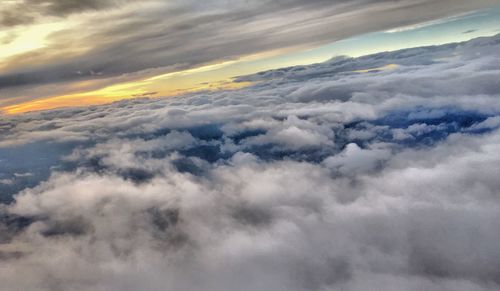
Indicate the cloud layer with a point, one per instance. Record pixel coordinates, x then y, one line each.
122 37
345 175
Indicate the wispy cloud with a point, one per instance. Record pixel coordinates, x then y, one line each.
431 23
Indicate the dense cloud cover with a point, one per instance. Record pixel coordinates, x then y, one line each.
345 175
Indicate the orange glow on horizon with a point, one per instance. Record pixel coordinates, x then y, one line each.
114 93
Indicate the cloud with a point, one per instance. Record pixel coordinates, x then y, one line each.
314 178
469 31
63 8
9 18
155 34
6 181
29 11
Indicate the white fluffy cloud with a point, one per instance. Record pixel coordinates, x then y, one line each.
331 180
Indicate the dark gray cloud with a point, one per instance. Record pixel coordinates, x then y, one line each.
315 178
65 7
470 31
10 18
158 34
29 11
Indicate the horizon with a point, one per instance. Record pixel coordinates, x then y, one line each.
94 88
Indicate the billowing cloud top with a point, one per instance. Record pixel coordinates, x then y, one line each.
108 39
371 173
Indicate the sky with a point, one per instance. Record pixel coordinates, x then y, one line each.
301 145
58 53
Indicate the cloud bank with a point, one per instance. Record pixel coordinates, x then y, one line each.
345 175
